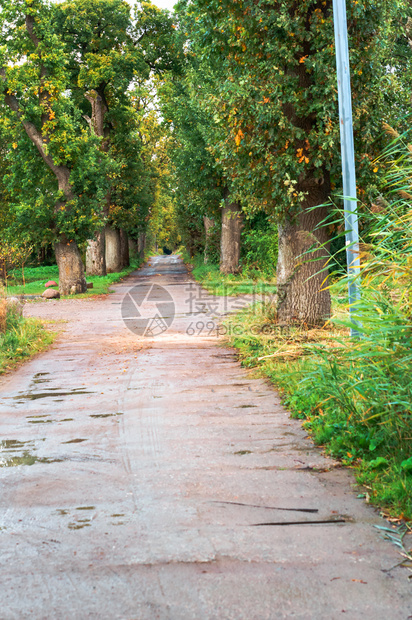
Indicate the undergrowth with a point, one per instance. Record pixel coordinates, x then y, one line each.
21 339
249 282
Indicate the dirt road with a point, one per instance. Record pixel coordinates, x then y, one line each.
151 477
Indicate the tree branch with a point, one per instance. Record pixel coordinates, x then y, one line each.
30 30
62 173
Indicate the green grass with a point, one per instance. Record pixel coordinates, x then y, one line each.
248 282
23 339
36 278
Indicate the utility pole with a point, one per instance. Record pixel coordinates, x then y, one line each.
348 155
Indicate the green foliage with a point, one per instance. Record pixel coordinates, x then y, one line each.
199 185
56 61
259 247
264 78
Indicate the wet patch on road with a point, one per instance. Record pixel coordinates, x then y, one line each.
15 444
79 525
26 459
41 421
245 406
106 415
50 394
74 441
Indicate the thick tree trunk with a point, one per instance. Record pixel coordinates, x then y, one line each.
141 244
113 254
232 224
303 296
124 249
95 255
133 249
71 269
3 271
209 223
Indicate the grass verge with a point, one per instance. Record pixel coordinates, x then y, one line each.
355 398
35 279
248 282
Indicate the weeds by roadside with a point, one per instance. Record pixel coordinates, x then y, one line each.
21 338
355 402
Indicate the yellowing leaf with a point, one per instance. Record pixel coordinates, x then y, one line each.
239 137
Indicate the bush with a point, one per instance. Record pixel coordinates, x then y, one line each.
259 247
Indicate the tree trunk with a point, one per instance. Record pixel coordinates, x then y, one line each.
124 249
303 296
95 255
232 224
113 254
3 271
141 244
71 269
41 255
209 223
133 249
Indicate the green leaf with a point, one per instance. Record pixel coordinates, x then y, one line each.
407 465
378 463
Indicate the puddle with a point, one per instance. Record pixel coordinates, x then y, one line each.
105 415
79 524
61 512
116 516
86 508
50 394
242 452
26 459
40 421
14 444
74 441
42 416
245 406
67 420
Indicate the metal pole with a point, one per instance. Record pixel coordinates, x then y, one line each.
348 154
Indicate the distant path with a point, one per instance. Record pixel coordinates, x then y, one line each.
143 463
